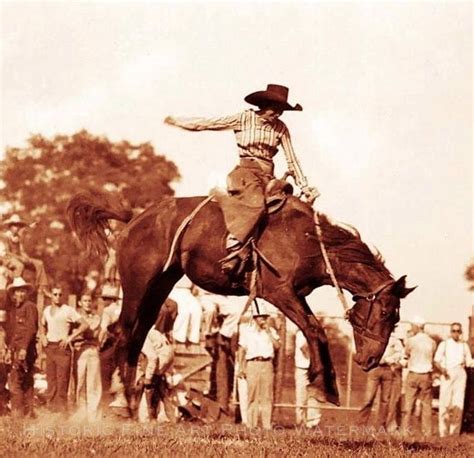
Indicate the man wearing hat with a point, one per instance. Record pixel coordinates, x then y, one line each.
15 247
22 329
258 135
257 350
420 349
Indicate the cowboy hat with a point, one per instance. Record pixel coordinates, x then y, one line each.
15 220
274 94
418 320
109 292
19 283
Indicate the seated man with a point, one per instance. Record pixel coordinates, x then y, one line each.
155 360
15 248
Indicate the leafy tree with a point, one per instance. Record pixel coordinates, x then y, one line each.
469 275
39 179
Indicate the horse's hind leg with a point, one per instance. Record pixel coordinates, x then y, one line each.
321 372
137 325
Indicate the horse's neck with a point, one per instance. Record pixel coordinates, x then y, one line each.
360 279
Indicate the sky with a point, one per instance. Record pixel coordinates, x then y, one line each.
385 134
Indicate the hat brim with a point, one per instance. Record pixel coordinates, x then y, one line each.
27 286
265 97
15 223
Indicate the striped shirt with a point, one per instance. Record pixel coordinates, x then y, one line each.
256 137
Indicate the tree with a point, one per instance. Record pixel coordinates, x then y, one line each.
469 275
39 180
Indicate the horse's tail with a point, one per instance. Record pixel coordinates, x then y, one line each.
89 214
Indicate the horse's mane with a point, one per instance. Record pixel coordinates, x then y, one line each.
348 246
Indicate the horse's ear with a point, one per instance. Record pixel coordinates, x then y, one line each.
400 290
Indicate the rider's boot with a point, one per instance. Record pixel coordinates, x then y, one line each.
231 262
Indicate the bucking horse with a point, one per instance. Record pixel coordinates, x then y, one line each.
186 236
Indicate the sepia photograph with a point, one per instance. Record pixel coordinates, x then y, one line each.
236 228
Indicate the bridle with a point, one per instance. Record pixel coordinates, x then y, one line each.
371 298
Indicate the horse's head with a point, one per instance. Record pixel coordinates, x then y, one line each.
373 318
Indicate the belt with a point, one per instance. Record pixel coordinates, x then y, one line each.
260 358
259 158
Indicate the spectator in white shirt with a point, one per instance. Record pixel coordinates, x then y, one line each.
257 350
187 326
451 358
56 337
420 349
221 339
307 411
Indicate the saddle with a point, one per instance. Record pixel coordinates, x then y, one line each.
276 193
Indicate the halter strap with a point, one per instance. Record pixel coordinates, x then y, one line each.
371 298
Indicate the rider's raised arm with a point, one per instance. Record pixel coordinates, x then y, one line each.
294 166
221 123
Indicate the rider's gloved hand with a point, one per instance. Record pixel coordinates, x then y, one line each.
170 120
310 193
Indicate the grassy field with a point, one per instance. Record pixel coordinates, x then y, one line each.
49 436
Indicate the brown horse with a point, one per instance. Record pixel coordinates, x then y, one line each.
288 241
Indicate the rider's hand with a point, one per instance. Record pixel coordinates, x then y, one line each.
310 193
170 120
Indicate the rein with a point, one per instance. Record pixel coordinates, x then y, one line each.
329 268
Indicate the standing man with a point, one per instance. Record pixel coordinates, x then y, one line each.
89 384
56 337
307 411
397 365
257 350
381 376
22 344
451 358
420 349
107 339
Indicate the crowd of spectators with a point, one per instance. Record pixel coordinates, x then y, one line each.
70 342
423 363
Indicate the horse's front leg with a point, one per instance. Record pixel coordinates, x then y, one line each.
321 372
